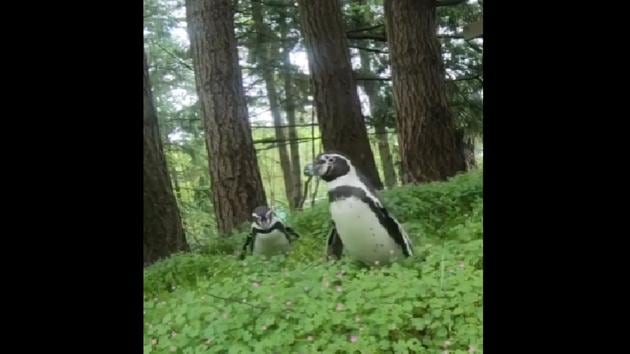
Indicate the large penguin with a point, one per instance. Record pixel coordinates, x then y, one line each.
362 228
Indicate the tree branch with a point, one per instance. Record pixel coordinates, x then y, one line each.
474 46
450 36
275 3
283 126
466 78
385 132
180 60
302 140
364 28
381 37
366 78
274 140
369 49
376 37
375 78
450 2
186 119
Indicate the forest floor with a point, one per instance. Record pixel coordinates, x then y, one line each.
209 301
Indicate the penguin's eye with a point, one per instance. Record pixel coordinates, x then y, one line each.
331 160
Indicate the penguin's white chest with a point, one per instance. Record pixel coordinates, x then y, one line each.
271 244
363 237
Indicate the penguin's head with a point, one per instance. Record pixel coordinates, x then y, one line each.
328 166
263 217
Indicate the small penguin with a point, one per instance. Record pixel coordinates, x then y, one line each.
362 227
269 236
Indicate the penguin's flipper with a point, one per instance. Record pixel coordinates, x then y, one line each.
292 232
395 230
248 242
335 246
286 231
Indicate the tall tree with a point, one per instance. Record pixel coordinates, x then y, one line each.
266 50
336 99
429 146
235 178
163 233
289 107
173 87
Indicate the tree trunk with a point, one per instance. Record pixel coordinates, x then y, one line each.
468 147
163 233
178 193
386 156
335 91
469 154
267 51
289 107
429 147
371 90
235 178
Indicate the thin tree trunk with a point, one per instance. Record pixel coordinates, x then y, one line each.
383 149
469 153
429 147
163 233
336 99
289 107
267 50
468 147
371 90
178 193
235 178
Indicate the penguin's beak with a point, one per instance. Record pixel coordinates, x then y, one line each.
308 169
314 169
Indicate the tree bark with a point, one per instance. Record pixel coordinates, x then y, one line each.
163 233
235 178
469 153
336 99
468 148
266 51
289 107
429 147
371 90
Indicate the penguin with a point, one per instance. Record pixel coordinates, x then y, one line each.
269 236
362 227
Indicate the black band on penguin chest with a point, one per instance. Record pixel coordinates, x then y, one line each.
277 226
343 192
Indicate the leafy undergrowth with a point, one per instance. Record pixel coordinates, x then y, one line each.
211 302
